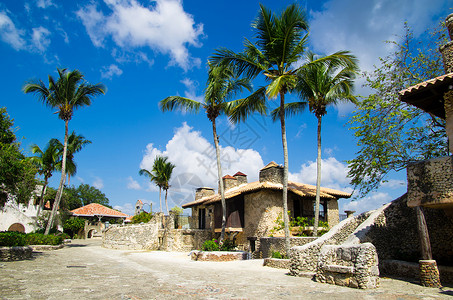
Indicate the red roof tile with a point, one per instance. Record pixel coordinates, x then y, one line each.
96 209
228 177
239 174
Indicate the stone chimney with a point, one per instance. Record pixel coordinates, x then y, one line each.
272 172
241 178
447 49
203 192
229 182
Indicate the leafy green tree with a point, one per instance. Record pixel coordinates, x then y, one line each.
280 44
17 173
222 84
142 217
321 85
69 92
46 161
72 226
390 133
83 195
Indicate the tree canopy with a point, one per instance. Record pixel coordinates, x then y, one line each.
390 133
82 195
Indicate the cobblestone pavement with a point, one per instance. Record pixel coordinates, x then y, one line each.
85 270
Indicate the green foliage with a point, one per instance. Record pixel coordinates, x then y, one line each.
17 173
73 225
142 217
177 210
278 255
213 245
301 222
12 239
390 133
84 194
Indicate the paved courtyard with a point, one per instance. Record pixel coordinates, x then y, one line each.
85 270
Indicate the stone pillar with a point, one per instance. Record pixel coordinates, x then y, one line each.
448 104
447 49
429 274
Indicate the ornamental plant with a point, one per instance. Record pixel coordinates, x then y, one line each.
213 245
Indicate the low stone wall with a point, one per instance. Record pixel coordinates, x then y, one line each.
305 258
267 245
46 247
183 240
277 263
219 255
411 270
15 253
349 265
132 237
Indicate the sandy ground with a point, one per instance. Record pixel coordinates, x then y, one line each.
85 270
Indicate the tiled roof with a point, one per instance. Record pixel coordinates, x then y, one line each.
96 209
270 165
239 174
428 95
228 177
303 190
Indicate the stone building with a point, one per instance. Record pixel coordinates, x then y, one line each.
252 208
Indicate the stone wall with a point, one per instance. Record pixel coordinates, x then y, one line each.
333 216
183 240
269 244
15 253
349 265
305 258
405 269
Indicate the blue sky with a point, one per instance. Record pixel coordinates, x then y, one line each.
144 51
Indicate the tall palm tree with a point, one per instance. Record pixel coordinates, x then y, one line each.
156 175
280 44
165 174
46 161
67 93
222 85
322 85
75 144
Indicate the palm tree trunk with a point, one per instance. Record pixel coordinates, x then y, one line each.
62 181
221 188
166 204
160 198
41 197
285 173
318 181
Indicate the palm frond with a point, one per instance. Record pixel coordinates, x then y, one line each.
255 103
179 103
291 109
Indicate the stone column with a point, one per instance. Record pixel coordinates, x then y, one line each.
448 104
447 49
429 274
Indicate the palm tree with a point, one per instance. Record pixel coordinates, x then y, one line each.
69 92
156 175
75 144
46 161
280 44
166 172
322 85
222 84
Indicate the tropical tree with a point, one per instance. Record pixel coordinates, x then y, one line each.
280 44
222 85
322 85
46 161
156 175
167 170
75 144
66 93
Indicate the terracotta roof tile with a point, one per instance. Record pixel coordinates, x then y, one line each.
303 190
228 177
239 174
270 165
96 209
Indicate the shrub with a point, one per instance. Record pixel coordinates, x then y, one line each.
73 225
12 239
210 245
278 255
142 217
41 239
227 245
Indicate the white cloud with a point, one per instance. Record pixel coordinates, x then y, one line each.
333 174
394 184
132 184
127 208
195 161
363 27
371 202
44 3
98 183
191 87
110 71
40 39
164 27
10 34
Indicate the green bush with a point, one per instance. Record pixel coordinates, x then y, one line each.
278 255
227 245
142 217
41 239
210 245
73 225
12 239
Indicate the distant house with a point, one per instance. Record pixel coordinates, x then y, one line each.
252 208
97 216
